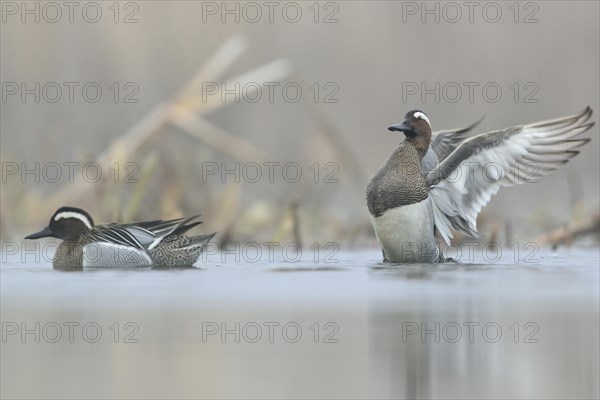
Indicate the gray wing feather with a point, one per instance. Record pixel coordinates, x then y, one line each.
142 235
443 144
115 234
467 179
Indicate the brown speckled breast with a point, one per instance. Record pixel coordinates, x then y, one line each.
398 182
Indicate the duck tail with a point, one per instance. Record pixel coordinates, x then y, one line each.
199 241
186 225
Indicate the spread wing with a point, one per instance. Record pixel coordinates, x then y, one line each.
466 180
443 143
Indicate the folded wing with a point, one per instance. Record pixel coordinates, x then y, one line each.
466 179
143 235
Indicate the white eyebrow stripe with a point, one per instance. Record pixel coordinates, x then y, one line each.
70 214
422 116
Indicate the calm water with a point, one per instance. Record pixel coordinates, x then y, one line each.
348 329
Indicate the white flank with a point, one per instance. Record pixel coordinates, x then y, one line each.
107 255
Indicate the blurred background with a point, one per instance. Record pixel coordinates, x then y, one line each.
269 118
178 106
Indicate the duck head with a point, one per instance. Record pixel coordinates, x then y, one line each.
67 223
417 128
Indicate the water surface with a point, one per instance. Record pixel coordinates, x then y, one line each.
353 328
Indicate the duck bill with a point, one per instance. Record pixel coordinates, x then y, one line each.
46 232
401 127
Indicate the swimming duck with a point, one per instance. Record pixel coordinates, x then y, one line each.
440 182
142 244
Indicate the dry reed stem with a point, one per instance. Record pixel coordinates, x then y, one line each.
181 114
